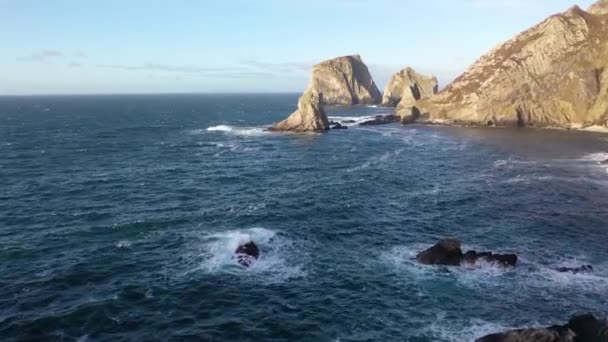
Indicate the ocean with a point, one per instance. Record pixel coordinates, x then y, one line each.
119 216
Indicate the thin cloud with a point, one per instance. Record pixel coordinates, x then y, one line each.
223 72
41 56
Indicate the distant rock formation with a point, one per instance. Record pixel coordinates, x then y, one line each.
407 86
310 116
584 328
447 252
344 81
554 74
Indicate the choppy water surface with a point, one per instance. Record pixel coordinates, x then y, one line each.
119 216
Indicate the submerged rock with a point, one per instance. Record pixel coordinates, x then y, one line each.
379 120
472 257
247 254
605 162
576 270
584 328
310 116
339 126
554 74
448 252
344 81
407 86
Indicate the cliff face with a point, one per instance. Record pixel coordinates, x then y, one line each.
407 87
344 81
310 116
554 74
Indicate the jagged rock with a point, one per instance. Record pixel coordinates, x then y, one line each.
247 254
310 116
554 74
339 126
407 86
445 252
344 81
448 252
584 328
379 120
576 270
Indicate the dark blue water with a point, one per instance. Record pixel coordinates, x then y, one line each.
119 215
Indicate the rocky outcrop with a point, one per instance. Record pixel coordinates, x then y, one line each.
449 253
310 116
344 81
584 328
379 120
554 74
445 252
407 86
247 254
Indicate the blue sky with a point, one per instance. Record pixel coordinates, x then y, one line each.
157 46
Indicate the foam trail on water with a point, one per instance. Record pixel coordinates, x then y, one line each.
235 130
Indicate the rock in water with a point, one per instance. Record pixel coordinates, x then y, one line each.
344 81
576 270
310 116
584 328
506 260
379 120
407 86
247 254
445 252
554 74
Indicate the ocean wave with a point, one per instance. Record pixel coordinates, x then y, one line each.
598 158
234 130
462 330
278 260
386 157
346 120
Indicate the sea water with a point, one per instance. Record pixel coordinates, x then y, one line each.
119 216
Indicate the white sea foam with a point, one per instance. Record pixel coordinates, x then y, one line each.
123 244
463 330
357 119
279 259
234 130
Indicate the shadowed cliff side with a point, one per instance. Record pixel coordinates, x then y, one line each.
553 74
310 116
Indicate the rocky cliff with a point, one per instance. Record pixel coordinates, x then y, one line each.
310 116
344 81
553 74
408 86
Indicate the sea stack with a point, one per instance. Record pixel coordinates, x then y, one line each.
310 116
408 86
554 74
344 81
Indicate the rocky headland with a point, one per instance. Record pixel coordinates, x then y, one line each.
552 75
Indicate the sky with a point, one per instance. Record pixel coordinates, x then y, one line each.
205 46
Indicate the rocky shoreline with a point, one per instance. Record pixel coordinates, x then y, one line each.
550 76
